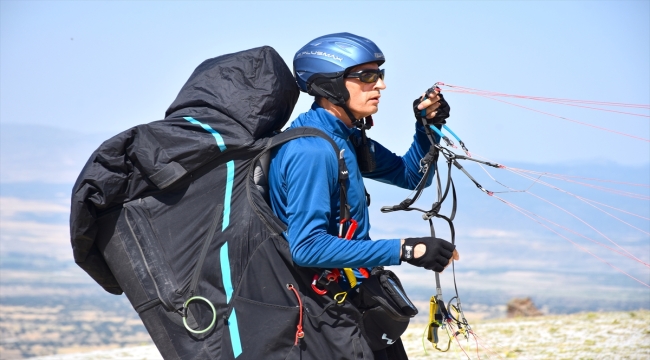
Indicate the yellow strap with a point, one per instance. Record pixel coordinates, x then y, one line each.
448 344
433 309
351 278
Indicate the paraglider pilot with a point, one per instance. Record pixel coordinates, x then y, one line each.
342 71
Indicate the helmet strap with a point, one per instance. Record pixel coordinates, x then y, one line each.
364 123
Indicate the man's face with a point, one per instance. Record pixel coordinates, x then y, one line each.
364 97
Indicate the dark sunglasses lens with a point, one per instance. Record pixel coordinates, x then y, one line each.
368 77
371 76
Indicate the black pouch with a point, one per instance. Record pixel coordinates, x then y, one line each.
386 308
365 150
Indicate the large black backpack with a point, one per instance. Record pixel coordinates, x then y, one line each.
173 214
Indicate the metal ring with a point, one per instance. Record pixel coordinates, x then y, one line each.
214 315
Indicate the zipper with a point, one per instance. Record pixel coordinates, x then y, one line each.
401 293
204 251
169 307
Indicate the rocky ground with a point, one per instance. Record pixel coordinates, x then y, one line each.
613 335
619 335
67 328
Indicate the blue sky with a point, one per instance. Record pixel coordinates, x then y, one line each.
73 73
105 66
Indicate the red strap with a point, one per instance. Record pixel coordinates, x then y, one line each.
299 333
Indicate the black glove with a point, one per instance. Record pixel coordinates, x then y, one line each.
441 115
436 256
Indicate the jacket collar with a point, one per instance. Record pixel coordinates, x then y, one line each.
320 118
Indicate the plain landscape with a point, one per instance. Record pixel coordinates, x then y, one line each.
604 335
555 92
594 309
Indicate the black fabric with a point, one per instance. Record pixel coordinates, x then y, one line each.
148 218
436 256
395 351
129 165
255 88
331 87
386 308
365 150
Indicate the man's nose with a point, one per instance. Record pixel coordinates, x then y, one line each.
381 85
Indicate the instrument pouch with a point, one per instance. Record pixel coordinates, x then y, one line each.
386 308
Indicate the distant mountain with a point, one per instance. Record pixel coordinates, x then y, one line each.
503 253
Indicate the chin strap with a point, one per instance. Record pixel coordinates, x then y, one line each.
363 124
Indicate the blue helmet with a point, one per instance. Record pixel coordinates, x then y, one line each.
331 55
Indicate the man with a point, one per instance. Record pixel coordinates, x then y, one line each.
342 72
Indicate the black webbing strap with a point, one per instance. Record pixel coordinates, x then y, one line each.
428 162
147 305
306 131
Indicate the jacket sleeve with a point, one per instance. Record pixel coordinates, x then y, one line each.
402 171
310 178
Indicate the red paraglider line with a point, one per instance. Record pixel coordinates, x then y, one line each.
476 337
524 212
562 176
547 99
571 120
585 200
592 240
520 171
487 94
490 96
627 253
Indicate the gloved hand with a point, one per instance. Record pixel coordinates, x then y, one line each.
442 111
436 256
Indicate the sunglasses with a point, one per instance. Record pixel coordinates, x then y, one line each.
368 76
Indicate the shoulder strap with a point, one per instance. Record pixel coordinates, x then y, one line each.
309 131
342 171
305 131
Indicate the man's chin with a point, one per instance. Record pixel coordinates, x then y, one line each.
371 111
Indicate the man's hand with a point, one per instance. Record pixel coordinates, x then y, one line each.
436 108
430 253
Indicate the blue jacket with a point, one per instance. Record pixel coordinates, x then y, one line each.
304 191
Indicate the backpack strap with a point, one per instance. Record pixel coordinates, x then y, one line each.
287 136
305 131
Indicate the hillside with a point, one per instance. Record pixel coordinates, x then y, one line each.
611 335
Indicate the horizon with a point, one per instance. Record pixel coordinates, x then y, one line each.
73 74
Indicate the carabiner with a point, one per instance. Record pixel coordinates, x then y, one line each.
353 227
315 288
341 225
349 273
